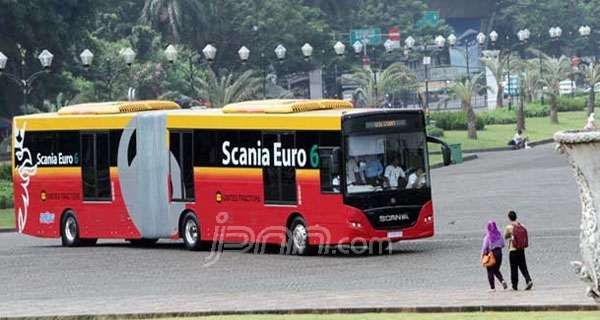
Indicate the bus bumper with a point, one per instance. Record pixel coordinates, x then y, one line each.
360 229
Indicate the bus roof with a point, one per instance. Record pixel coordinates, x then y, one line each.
198 118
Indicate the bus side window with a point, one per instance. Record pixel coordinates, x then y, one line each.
95 166
279 182
329 165
181 145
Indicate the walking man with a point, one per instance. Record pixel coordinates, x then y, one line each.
516 235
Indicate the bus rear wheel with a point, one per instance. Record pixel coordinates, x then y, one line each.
297 242
190 232
69 230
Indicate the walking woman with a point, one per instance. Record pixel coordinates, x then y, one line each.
493 242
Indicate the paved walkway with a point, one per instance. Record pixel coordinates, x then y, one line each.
39 277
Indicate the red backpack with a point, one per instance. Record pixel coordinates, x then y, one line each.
520 239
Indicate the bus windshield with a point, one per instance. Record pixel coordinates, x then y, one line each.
387 161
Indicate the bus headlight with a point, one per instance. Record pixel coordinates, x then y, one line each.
355 225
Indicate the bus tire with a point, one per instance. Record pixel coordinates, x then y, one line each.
69 230
297 238
190 232
143 242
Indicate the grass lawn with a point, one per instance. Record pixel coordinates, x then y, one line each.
421 316
498 135
7 218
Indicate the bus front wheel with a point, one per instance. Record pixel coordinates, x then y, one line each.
190 232
297 243
70 230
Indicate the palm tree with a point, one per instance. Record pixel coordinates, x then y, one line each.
464 90
372 87
554 71
173 13
529 84
222 90
591 76
498 67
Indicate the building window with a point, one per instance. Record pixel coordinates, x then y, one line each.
279 182
95 166
182 147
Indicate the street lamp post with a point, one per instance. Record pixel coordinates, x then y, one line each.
555 33
340 50
426 63
26 84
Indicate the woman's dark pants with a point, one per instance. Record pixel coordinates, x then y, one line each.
494 271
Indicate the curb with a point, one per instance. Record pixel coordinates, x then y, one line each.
432 309
533 144
465 159
7 230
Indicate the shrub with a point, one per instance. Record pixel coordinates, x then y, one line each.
6 194
499 116
454 120
6 172
434 131
536 110
566 103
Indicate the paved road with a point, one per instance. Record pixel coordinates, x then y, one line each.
39 277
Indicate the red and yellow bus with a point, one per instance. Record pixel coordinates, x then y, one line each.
297 172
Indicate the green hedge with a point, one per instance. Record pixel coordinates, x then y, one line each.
5 172
6 187
6 194
499 116
566 103
434 131
454 120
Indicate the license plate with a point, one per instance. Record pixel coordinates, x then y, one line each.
394 234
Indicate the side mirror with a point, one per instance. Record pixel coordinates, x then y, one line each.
446 154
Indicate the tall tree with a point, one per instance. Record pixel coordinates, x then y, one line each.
174 15
498 66
591 76
221 90
464 90
373 87
555 70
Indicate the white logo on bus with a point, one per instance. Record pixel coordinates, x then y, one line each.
26 170
263 157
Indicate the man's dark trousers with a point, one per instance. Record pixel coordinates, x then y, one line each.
517 262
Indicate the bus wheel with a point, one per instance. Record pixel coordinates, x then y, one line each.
70 231
143 242
297 243
190 232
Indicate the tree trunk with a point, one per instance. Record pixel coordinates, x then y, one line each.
591 101
173 23
500 97
554 109
471 121
521 114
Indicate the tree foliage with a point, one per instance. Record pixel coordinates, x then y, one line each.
464 90
66 27
373 87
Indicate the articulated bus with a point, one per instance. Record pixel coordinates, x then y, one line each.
299 173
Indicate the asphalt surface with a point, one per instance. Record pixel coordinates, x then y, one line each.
39 277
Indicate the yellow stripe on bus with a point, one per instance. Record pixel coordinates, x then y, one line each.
228 172
254 122
49 122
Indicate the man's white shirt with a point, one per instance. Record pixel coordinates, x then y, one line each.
392 174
